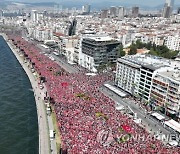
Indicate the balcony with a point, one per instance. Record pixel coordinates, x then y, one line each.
160 83
174 85
173 96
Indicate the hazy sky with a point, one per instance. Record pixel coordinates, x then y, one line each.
137 2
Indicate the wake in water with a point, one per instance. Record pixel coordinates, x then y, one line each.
31 90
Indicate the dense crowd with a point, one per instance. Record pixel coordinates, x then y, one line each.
87 119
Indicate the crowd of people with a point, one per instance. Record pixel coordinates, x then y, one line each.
87 119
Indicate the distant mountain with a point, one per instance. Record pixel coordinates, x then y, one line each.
99 4
41 4
4 4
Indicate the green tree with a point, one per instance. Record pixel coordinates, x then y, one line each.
148 45
139 44
133 50
121 51
156 50
165 107
152 52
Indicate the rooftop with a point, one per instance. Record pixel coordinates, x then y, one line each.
170 74
148 61
100 38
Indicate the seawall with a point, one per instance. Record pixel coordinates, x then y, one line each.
44 145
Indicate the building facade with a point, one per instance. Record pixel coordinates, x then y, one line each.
153 79
173 42
135 12
168 8
96 51
166 90
121 12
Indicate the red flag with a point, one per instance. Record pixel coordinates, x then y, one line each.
64 84
127 128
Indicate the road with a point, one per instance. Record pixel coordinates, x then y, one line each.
64 64
150 124
59 61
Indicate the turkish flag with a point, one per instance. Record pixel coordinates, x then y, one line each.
64 84
127 128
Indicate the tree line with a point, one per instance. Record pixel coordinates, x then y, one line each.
156 50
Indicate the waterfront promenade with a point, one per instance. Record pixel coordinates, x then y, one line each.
44 142
87 119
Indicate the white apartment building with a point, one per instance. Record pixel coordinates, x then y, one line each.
166 90
158 39
127 75
153 79
121 11
173 42
40 34
68 46
34 16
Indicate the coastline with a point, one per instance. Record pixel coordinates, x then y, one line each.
43 129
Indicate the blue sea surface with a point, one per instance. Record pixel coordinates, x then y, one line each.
18 115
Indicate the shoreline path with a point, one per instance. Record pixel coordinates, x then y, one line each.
44 141
87 119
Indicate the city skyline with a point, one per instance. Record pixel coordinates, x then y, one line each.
151 3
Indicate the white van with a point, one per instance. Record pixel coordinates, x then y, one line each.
41 86
51 134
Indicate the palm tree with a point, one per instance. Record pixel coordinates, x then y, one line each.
165 107
133 88
117 80
147 103
142 95
159 108
152 102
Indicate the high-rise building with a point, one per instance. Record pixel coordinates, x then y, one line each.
104 13
86 9
170 3
135 11
113 11
121 12
34 16
178 10
72 28
168 8
45 13
1 14
166 11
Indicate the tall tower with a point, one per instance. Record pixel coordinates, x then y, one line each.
168 8
1 14
113 11
178 10
121 12
135 12
86 9
104 13
34 16
170 3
